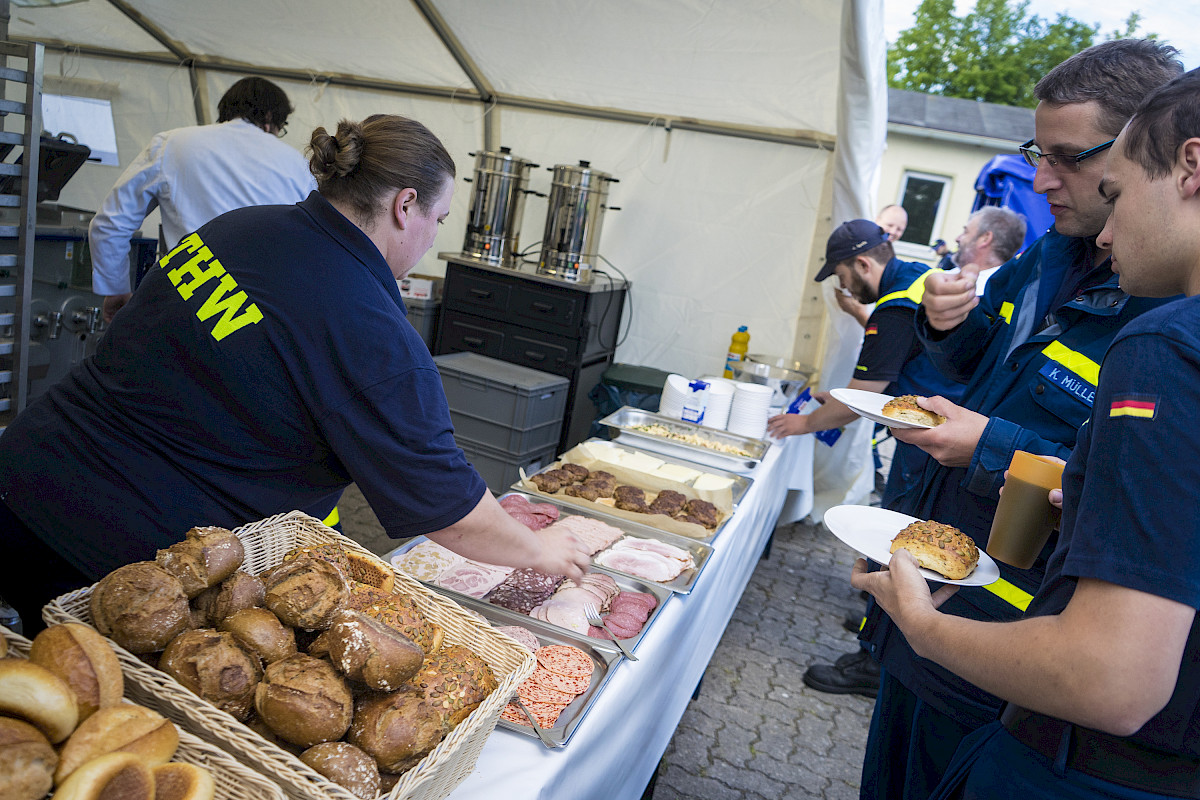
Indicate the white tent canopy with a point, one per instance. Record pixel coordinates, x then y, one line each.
719 118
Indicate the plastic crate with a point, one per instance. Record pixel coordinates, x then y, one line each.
503 406
423 314
501 470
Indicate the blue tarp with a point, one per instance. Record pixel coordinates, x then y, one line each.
1008 181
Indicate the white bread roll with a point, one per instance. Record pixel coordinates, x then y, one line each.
177 781
906 409
34 693
116 776
939 547
85 662
126 729
27 761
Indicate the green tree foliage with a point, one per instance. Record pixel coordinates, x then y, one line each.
997 52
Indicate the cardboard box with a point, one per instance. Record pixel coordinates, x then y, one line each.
421 287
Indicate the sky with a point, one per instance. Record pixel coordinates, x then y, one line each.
1177 22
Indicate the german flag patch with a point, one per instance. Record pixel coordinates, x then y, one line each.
871 330
1134 405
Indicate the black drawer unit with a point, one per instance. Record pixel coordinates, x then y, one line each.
545 323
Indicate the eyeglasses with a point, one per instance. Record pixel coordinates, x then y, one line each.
281 132
1034 157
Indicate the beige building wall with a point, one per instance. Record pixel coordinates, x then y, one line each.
944 155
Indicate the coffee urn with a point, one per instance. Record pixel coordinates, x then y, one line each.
497 204
578 196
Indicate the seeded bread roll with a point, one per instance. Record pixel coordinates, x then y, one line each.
347 766
27 761
37 695
205 558
140 606
214 666
939 547
906 409
260 631
116 776
126 728
85 662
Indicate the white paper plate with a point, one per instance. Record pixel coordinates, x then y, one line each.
870 405
870 531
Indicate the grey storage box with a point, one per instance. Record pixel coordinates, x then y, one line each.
501 470
506 407
423 314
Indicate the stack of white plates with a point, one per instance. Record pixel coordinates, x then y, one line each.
675 390
720 400
750 410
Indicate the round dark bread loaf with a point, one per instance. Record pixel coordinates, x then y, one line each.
397 729
368 651
214 666
239 591
260 631
306 592
347 766
140 606
204 558
304 700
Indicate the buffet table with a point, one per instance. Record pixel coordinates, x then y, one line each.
620 741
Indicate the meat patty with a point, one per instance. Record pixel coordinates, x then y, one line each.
630 498
578 471
668 502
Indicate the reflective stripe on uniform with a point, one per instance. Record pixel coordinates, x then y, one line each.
1006 310
914 292
1078 363
1010 594
333 519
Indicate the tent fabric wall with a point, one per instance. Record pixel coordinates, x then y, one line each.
714 231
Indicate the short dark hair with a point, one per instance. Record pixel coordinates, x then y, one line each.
1168 117
1007 228
365 161
1117 74
255 100
880 254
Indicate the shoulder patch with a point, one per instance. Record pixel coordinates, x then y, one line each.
1144 406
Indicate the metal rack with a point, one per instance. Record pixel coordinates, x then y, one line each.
16 270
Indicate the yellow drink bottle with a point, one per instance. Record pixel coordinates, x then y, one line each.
739 345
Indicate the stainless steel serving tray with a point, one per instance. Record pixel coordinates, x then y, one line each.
603 662
626 418
682 584
741 484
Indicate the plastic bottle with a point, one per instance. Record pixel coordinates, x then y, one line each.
739 345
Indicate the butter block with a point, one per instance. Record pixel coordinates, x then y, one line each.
677 472
711 483
640 462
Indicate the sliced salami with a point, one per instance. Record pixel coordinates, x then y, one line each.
531 692
565 660
562 683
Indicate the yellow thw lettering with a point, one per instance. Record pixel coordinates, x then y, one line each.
229 308
190 243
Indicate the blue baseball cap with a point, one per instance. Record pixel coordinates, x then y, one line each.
850 239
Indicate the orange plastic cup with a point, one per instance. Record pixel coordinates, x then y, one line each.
1024 518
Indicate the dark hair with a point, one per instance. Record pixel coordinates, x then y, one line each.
255 100
1117 74
1007 228
880 254
368 160
1168 117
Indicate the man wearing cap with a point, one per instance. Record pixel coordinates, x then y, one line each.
891 359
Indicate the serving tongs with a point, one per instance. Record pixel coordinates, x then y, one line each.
538 729
592 615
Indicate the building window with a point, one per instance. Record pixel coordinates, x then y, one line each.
921 195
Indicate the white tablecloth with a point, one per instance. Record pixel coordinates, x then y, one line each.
618 744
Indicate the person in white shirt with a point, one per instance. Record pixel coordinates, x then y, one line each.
196 173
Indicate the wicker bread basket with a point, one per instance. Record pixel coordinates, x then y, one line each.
231 780
266 542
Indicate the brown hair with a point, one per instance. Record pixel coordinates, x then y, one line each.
257 101
1117 74
1168 118
366 161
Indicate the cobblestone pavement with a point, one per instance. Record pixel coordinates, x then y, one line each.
755 731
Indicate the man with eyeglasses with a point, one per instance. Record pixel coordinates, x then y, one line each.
197 173
1029 350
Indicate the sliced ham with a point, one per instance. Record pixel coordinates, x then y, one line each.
473 578
648 566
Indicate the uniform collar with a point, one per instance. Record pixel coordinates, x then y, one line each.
355 242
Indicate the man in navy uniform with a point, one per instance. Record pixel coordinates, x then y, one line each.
1102 676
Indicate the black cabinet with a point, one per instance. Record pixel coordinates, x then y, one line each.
545 323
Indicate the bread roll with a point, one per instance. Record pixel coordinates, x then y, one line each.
260 631
85 662
371 571
183 782
214 666
304 700
347 766
366 650
27 761
37 695
306 592
3 647
906 409
398 611
398 729
239 591
204 558
140 607
939 547
116 776
126 728
454 678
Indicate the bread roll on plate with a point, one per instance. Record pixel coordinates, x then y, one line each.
906 409
942 548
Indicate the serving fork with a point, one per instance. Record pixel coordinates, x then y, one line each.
538 729
592 614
